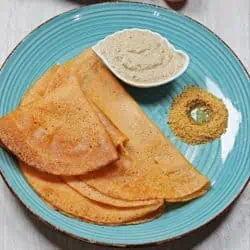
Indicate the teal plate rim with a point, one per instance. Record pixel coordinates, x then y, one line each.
154 243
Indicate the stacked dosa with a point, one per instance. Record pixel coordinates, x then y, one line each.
134 166
58 76
87 204
158 169
59 134
45 85
62 197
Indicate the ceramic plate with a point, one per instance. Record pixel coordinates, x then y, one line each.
213 66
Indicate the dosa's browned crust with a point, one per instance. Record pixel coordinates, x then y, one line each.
89 192
59 134
38 90
58 76
62 197
118 138
159 170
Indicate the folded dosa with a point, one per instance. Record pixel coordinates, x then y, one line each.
46 85
118 138
59 134
159 170
67 200
58 76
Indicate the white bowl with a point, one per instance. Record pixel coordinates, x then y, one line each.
143 85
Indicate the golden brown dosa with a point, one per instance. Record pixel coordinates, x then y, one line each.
38 90
159 170
149 217
58 76
62 197
119 139
87 191
59 134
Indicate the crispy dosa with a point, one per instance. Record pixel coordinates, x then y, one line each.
118 138
159 170
89 192
59 134
40 89
65 199
58 76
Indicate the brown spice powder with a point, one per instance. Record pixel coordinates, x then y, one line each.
187 128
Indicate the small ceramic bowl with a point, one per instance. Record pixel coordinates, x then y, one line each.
137 84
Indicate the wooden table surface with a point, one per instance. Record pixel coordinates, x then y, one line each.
230 19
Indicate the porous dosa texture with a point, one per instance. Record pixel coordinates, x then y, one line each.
59 134
158 169
58 76
87 191
38 90
63 198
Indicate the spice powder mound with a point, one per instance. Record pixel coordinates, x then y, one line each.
196 116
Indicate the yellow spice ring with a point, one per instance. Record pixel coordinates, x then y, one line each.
184 126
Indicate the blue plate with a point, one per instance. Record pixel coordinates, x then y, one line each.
213 66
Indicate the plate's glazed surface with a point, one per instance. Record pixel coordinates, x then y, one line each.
213 66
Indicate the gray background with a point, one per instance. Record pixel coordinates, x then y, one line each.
230 19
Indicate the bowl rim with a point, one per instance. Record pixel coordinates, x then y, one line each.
156 243
137 84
